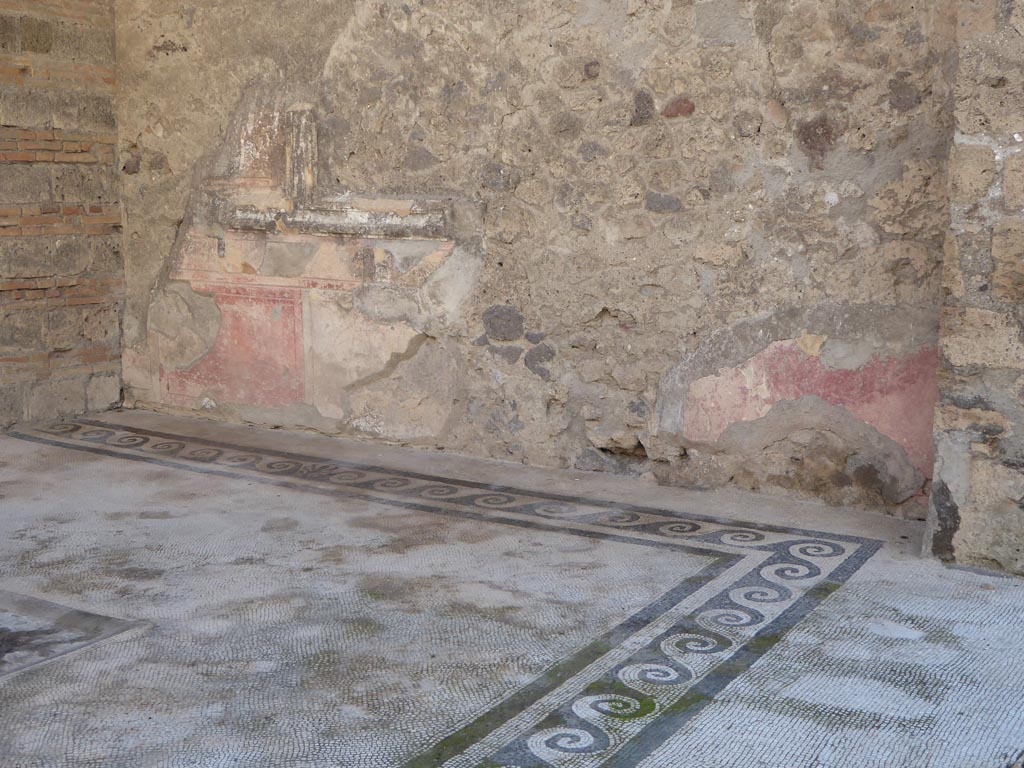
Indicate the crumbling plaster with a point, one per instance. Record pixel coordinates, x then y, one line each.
642 200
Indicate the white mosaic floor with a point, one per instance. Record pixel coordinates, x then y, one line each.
311 603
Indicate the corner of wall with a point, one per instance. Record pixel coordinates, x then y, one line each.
977 505
61 271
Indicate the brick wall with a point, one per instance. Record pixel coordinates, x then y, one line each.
977 510
61 275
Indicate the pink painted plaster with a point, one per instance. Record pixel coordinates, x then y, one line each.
257 358
895 395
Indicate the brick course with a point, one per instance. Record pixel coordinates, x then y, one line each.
55 146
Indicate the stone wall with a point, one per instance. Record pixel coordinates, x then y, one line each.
61 281
699 241
978 495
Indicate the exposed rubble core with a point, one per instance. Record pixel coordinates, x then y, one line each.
695 240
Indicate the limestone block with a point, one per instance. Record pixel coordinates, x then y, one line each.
102 392
972 171
981 337
1013 181
56 398
1008 260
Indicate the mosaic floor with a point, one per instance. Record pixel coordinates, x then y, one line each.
283 602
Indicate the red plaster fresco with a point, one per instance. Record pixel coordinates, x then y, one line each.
257 358
896 395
